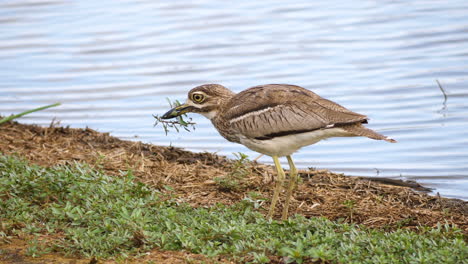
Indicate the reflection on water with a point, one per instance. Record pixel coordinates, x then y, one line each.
113 63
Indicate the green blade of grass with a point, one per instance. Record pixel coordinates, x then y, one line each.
6 119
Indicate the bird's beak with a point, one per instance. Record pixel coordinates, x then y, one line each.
177 111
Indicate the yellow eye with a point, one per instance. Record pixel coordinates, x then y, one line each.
198 98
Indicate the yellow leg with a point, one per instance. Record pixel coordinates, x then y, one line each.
291 185
279 185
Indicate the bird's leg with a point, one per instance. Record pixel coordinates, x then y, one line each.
291 185
279 185
259 156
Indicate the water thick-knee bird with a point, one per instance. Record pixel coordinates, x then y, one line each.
275 120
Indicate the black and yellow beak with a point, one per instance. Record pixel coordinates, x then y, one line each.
177 111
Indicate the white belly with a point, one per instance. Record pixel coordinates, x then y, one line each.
287 145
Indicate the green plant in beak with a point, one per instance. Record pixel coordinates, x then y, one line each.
177 111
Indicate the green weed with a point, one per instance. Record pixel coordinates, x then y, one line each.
179 122
239 171
350 205
36 249
9 118
103 216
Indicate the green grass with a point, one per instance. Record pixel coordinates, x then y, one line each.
232 181
9 118
93 214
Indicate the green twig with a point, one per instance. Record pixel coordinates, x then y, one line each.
6 119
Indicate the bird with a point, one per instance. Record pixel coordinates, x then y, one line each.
274 120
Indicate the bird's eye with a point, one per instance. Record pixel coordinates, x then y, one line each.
198 98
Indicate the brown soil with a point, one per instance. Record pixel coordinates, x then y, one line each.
191 178
14 252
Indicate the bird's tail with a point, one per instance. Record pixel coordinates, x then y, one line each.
359 130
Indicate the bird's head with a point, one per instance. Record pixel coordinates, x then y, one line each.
204 99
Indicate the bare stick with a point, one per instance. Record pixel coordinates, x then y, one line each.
443 91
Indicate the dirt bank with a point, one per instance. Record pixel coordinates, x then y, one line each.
190 177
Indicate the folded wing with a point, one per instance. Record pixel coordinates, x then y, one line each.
268 111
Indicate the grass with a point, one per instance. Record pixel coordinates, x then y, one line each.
86 212
240 170
9 118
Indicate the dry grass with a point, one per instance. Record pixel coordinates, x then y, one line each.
190 178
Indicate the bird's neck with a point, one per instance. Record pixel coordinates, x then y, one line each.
221 106
220 123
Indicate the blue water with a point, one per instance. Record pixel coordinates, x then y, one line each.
113 64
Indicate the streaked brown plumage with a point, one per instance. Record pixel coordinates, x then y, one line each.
276 120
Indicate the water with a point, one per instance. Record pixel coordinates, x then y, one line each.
113 63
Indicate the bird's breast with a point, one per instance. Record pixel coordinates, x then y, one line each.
225 130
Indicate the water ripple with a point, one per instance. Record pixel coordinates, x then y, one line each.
113 63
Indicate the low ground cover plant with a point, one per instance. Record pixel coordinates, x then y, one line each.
82 211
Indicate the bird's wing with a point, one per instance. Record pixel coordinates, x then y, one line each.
276 110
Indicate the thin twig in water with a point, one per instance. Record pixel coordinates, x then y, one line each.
443 91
